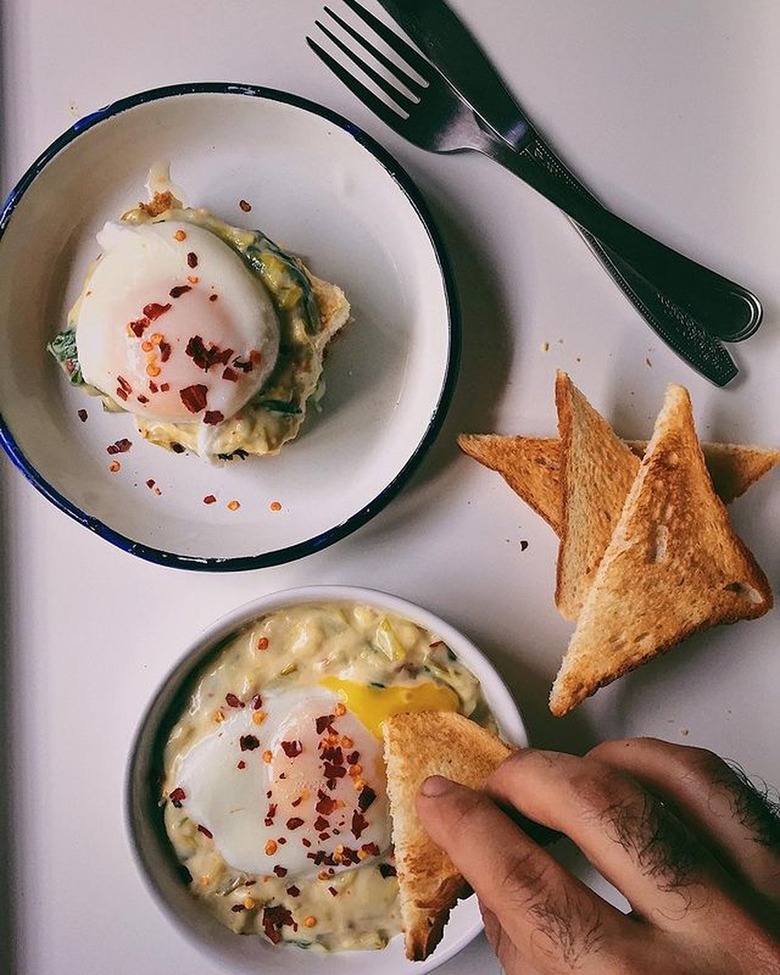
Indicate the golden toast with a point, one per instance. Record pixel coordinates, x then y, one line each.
418 745
672 566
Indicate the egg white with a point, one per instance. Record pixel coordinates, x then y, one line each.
158 293
259 804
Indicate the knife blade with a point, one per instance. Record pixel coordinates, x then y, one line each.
456 56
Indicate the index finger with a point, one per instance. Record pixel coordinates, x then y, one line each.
548 914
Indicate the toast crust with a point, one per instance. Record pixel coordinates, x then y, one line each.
418 745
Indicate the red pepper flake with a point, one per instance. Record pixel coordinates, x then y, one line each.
139 326
206 357
324 722
306 842
165 387
237 908
257 702
209 499
326 804
192 259
333 754
177 796
296 802
246 207
387 870
242 364
153 310
194 397
121 393
233 700
213 417
366 797
280 871
294 891
262 643
150 484
228 374
213 297
281 840
206 832
271 814
83 415
353 757
275 506
153 387
248 743
371 849
179 290
165 351
120 447
359 824
241 764
292 748
124 384
294 822
275 918
114 466
143 400
321 823
333 772
332 891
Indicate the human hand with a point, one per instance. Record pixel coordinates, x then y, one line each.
690 844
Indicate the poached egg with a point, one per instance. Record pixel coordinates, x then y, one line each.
291 784
172 325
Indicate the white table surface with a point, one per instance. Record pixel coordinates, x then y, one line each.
669 110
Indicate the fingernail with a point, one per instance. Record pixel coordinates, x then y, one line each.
436 785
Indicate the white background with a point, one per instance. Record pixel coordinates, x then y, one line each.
669 111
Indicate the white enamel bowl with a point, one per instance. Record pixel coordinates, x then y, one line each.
157 862
319 187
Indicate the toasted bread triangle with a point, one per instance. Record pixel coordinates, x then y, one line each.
675 552
531 467
597 471
418 745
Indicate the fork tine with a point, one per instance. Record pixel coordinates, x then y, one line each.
379 80
388 114
415 61
393 67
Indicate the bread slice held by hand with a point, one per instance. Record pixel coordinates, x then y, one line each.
597 471
418 745
674 565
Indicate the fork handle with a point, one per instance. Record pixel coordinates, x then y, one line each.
653 275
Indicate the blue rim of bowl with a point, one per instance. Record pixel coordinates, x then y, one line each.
316 543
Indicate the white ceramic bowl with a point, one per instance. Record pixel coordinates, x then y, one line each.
318 186
158 863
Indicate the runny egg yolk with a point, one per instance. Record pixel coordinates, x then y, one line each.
372 705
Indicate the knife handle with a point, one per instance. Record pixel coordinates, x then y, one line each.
695 295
